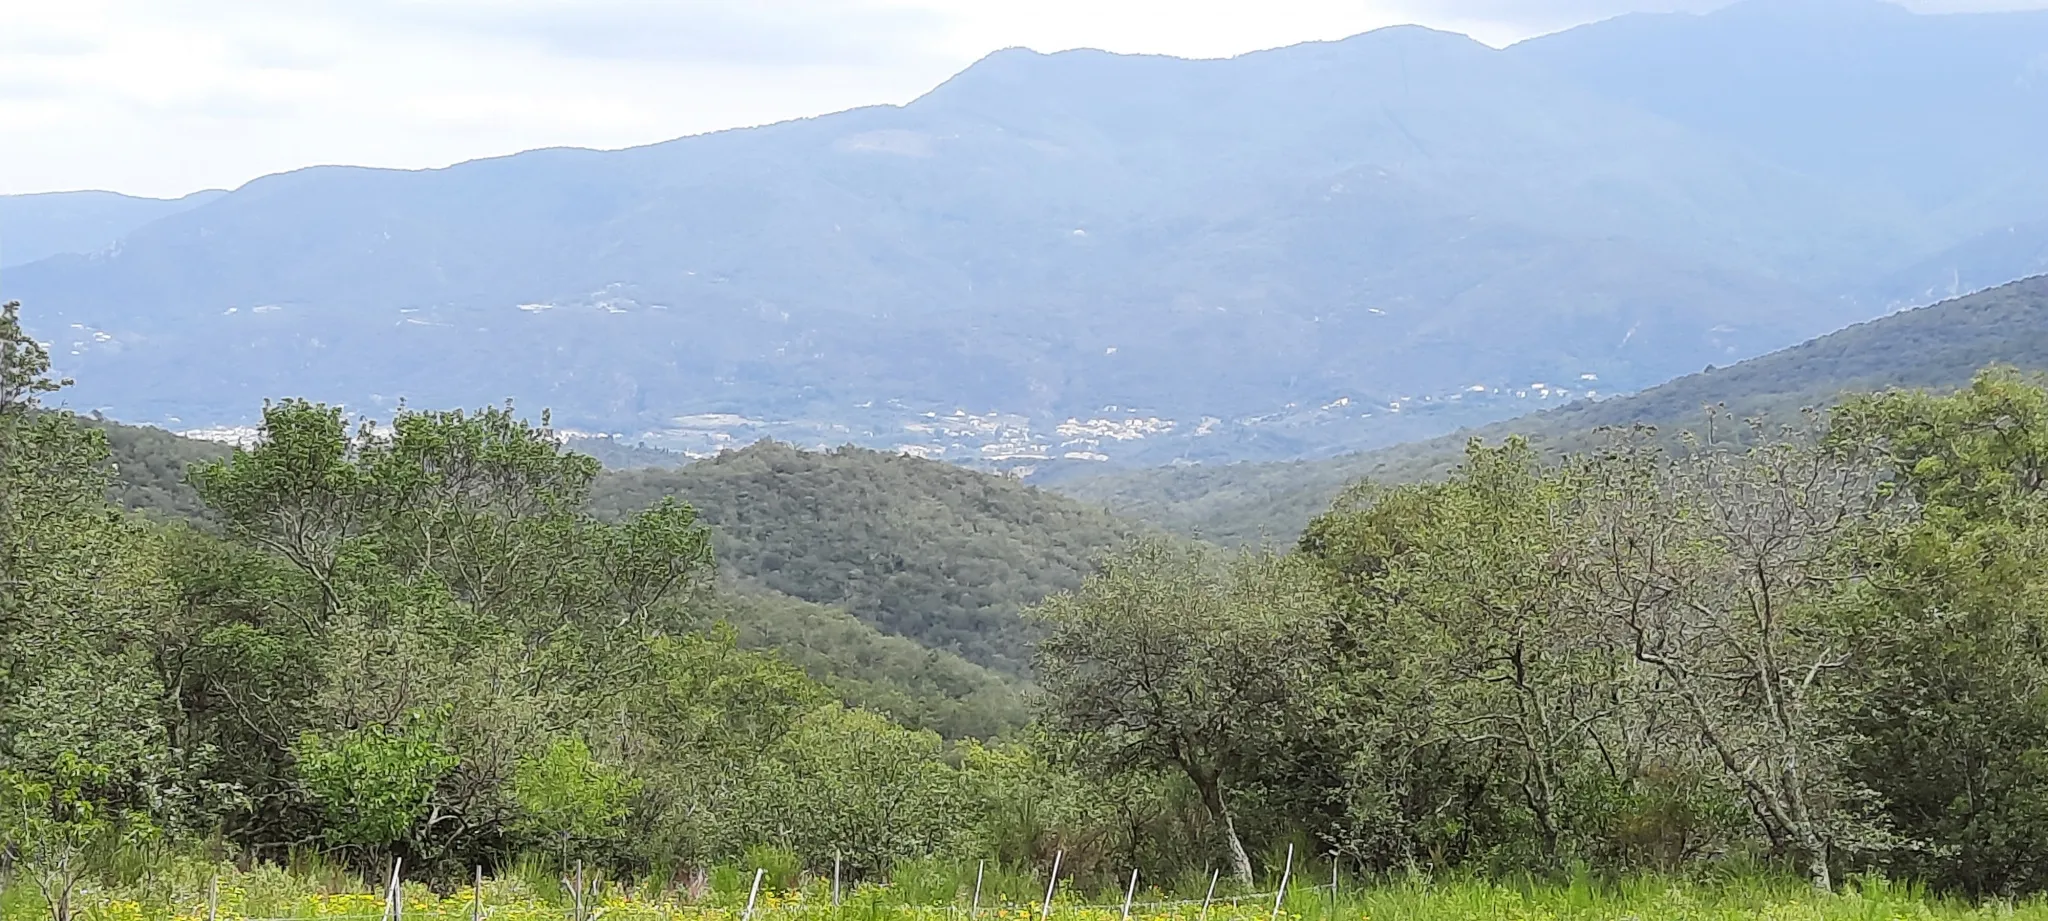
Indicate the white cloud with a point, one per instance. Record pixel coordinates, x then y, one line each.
163 97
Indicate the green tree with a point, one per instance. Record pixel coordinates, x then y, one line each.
1501 669
1951 725
703 720
444 565
851 783
375 784
84 759
24 366
55 829
567 797
1171 658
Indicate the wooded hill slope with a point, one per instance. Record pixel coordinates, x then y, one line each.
921 549
1939 347
898 582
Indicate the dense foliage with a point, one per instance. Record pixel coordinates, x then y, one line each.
1818 648
923 686
921 549
915 684
1817 651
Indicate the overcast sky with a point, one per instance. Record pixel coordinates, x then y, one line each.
164 97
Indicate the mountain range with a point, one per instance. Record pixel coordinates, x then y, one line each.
1062 261
35 227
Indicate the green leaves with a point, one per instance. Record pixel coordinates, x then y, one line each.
374 783
1950 724
851 782
24 365
565 796
1172 658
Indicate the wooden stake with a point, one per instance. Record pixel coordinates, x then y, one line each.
1213 874
1130 891
213 899
476 896
752 893
1051 884
974 907
1280 896
391 906
835 879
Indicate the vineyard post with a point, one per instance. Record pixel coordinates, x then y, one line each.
1130 891
392 910
578 901
1333 884
835 878
752 893
1285 872
1213 874
213 899
974 907
1051 884
476 896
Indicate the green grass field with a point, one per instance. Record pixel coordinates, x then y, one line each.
191 891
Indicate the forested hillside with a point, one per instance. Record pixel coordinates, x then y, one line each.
921 549
1938 347
922 686
419 649
151 468
914 684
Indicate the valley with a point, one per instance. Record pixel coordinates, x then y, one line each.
1597 476
1075 259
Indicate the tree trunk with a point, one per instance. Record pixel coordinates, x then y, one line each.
1817 871
1212 797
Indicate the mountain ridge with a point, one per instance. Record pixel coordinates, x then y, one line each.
1086 258
79 222
1936 347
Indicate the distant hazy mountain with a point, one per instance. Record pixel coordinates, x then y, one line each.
1938 347
1982 261
36 226
1057 259
1938 117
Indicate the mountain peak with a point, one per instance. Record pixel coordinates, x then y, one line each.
1014 75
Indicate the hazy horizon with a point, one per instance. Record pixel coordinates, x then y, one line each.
221 93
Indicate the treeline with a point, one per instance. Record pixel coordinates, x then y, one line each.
1820 652
1823 650
417 643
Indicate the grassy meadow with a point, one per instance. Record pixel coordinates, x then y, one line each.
532 890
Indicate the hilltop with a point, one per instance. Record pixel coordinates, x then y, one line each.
41 225
1936 347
